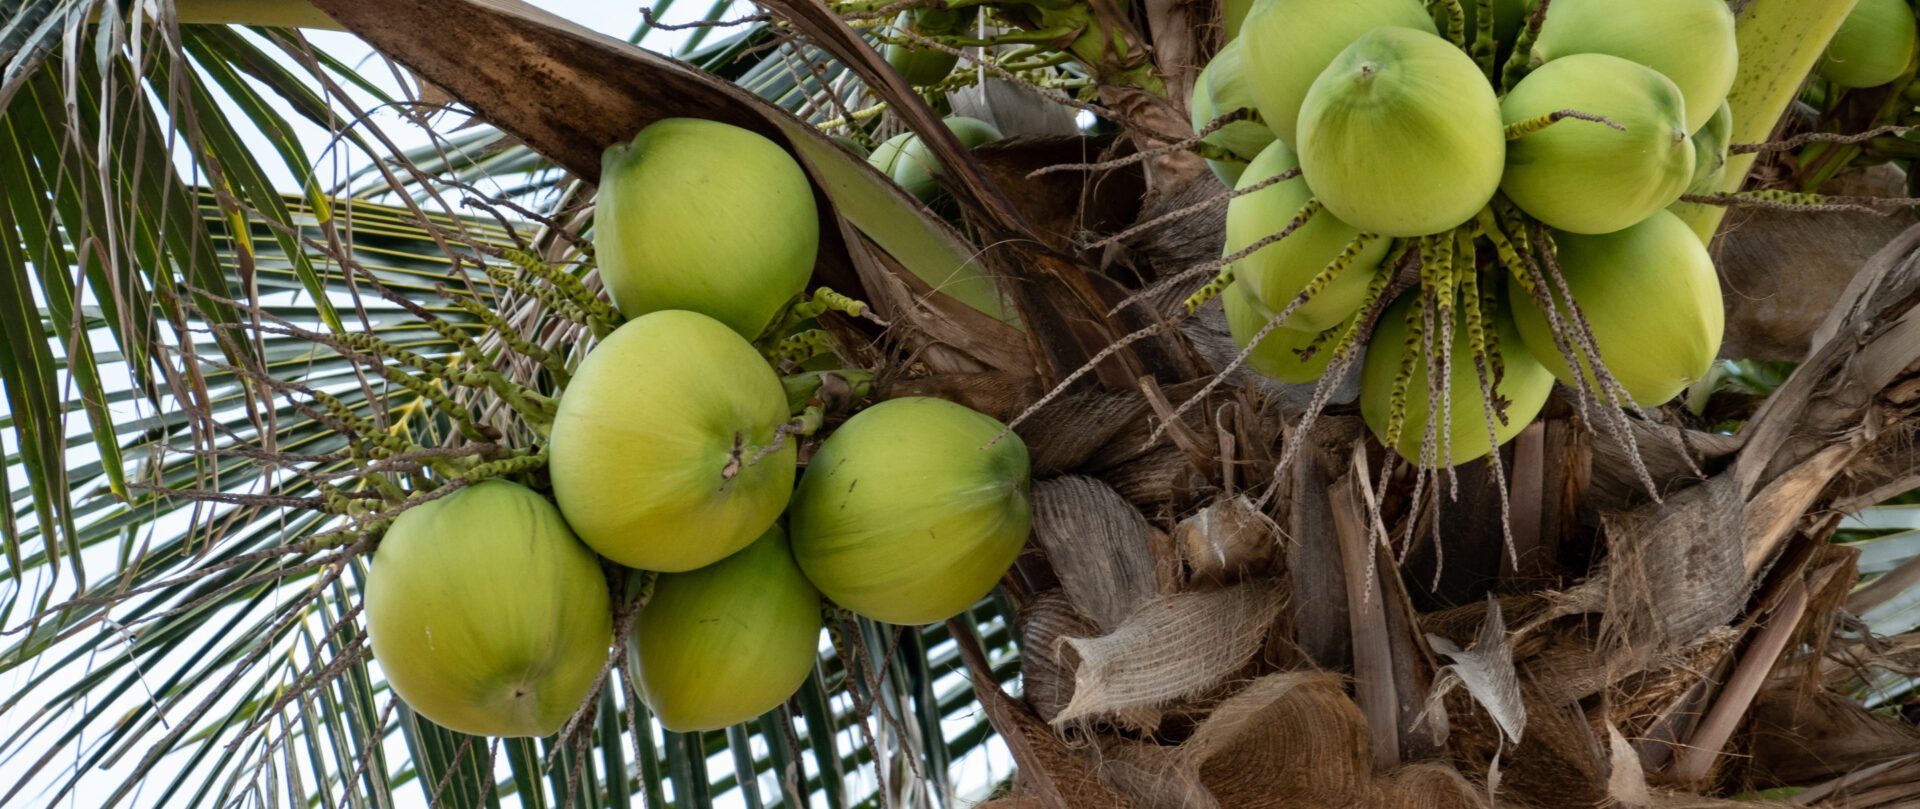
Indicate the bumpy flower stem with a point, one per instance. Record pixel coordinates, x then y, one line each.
800 347
1519 63
1456 21
1211 290
1483 44
1521 129
554 364
566 282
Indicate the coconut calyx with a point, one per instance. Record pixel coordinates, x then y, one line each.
654 235
730 641
485 613
912 510
663 450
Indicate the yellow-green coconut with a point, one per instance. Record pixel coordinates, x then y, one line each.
1873 46
728 642
1290 42
1525 385
919 64
1223 88
656 450
1652 298
1401 136
916 167
1690 41
1589 177
1278 355
708 217
485 613
906 515
1275 274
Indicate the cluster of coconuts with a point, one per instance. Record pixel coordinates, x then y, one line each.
1378 132
906 159
670 452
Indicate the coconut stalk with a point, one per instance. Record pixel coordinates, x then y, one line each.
1780 41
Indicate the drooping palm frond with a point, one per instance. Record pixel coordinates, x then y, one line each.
191 387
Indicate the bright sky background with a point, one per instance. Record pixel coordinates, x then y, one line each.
618 19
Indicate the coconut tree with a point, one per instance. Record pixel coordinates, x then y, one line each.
1249 579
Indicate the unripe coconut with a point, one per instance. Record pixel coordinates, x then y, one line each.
669 218
654 450
1401 136
1200 111
486 614
1525 386
1690 41
1710 152
1278 355
1873 46
1290 42
1223 88
906 515
887 154
1652 298
730 641
917 167
919 64
1276 273
1588 177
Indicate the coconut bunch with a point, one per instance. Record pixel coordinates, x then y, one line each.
674 449
1477 193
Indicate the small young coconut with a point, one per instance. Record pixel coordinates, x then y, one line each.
1200 111
1710 152
730 641
1524 385
1652 298
916 167
1276 273
1278 355
1690 41
1873 46
486 615
1588 177
919 64
1290 42
906 515
1401 136
1223 88
661 230
657 448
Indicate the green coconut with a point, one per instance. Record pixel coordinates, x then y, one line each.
487 616
656 450
1290 42
906 515
919 64
669 218
1401 136
1525 385
1691 41
1278 354
1873 46
1653 300
887 153
1223 88
1588 177
1201 111
1710 152
916 168
730 641
1275 274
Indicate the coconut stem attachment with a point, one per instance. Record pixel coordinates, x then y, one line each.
1522 59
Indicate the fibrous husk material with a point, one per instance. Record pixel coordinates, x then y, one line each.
1098 544
1227 542
1047 663
1292 740
1172 648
